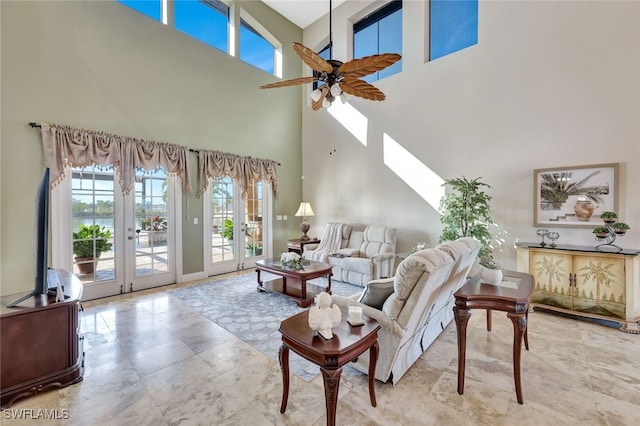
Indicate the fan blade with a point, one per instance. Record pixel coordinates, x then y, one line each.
361 88
311 58
368 65
316 105
292 82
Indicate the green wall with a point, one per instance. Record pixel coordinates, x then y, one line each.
101 66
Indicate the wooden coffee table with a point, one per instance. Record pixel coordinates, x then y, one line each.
512 296
347 344
294 283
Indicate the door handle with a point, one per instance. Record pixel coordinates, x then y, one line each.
129 237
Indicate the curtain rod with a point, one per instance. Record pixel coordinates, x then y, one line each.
34 125
197 151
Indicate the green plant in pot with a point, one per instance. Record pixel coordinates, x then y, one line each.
86 240
609 217
227 229
465 212
620 228
254 249
601 232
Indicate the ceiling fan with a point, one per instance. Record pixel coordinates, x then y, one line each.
338 79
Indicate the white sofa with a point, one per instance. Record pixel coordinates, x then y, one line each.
419 307
364 254
374 259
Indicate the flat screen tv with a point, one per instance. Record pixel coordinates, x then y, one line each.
41 285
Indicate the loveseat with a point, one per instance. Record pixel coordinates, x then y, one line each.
364 254
414 306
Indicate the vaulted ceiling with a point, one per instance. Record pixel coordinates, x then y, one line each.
302 12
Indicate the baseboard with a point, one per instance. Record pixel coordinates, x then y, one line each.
191 277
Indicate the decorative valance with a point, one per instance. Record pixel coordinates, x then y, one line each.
240 169
67 146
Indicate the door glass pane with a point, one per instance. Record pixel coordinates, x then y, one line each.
222 219
151 220
93 223
253 220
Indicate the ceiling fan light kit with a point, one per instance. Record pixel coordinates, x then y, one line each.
337 79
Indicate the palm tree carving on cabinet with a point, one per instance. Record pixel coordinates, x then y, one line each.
589 284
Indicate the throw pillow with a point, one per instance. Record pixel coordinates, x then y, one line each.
376 293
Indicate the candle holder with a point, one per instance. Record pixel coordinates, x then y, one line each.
542 233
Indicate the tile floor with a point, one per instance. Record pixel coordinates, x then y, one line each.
150 360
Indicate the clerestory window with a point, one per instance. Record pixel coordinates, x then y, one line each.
208 21
205 20
255 49
150 8
453 26
380 32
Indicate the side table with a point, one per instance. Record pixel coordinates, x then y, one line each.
297 244
347 344
512 296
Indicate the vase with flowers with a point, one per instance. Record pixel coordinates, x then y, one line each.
291 260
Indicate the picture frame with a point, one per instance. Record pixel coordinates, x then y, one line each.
574 196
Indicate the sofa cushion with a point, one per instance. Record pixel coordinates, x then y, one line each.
355 240
376 293
349 252
378 239
357 264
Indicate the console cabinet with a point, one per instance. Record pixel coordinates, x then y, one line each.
584 282
40 345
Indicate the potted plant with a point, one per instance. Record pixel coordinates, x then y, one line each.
89 243
601 232
156 228
227 229
254 249
620 228
465 212
609 217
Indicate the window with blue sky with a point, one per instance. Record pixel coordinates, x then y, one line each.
208 21
453 26
205 21
255 49
380 32
151 8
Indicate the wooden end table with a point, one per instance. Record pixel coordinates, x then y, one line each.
297 244
346 345
512 296
294 283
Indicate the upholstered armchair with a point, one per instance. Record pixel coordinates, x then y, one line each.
414 306
375 258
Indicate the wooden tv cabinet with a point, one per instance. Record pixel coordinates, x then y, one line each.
40 347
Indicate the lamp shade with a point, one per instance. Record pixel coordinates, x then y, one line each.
305 210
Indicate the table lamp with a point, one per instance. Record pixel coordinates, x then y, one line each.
305 210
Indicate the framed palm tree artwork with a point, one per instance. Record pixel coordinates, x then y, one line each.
574 196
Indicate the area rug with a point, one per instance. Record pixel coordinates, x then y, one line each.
254 317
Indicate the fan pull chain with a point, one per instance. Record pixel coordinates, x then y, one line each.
332 143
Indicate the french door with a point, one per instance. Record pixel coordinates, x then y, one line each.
238 230
115 243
